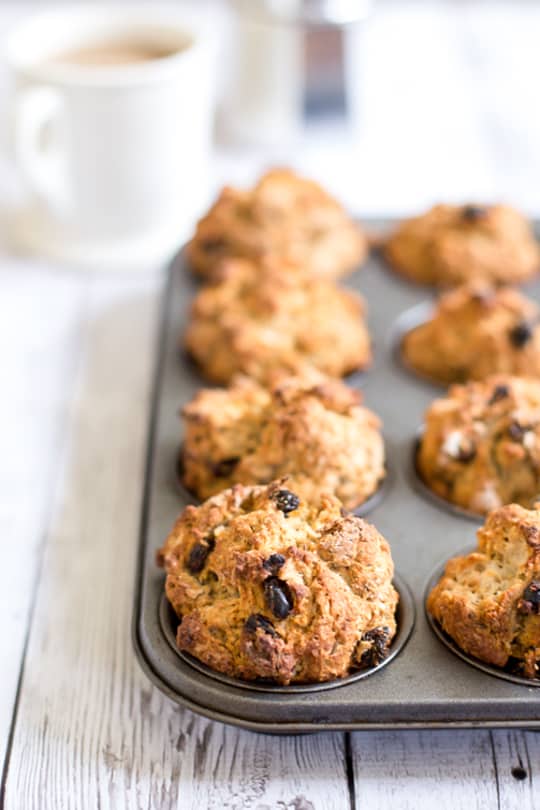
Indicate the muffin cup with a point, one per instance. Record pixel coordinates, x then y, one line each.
407 322
405 617
504 673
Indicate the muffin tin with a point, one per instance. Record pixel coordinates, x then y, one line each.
427 682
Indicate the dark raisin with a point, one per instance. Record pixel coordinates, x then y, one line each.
273 563
473 213
500 392
198 554
225 467
259 622
212 245
520 334
466 453
515 666
531 533
278 597
483 296
530 601
516 431
519 773
378 651
286 501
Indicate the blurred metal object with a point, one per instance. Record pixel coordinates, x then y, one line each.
324 72
305 12
287 64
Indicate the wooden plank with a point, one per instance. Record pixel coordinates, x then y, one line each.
91 731
40 323
413 770
240 769
517 754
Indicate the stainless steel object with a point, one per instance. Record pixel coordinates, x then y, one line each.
289 62
426 684
305 12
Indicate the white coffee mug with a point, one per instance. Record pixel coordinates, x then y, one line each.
115 158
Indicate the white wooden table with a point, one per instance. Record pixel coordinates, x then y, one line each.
451 99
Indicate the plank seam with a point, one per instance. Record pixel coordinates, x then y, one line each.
349 770
495 770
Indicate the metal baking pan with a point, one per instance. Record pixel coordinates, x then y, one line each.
426 684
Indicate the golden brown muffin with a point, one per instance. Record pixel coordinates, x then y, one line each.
268 586
476 331
281 321
450 244
284 216
481 444
489 601
313 430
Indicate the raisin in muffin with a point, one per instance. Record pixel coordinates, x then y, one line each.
312 429
489 601
452 244
268 586
284 215
481 444
476 331
246 324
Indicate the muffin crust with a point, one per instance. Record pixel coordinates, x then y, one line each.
481 444
489 601
280 322
312 429
450 245
283 216
476 331
268 586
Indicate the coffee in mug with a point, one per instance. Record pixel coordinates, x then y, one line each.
108 54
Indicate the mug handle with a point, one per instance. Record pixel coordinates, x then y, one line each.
37 111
